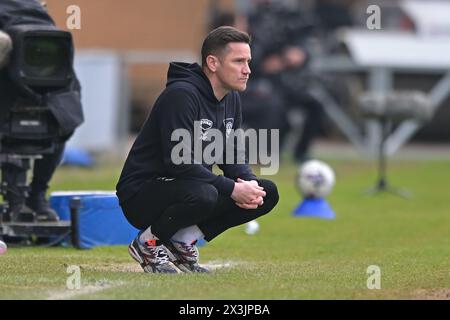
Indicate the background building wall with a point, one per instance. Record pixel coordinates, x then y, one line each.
142 25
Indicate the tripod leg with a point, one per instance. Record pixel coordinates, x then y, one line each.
382 184
382 181
399 192
387 188
14 175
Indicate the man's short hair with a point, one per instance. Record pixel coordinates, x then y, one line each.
217 40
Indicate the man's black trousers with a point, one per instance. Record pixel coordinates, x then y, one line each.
170 205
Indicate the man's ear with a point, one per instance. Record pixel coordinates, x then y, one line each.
212 62
5 48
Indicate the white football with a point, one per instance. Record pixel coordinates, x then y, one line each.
3 247
252 227
315 179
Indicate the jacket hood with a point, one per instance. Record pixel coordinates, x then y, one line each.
23 12
193 74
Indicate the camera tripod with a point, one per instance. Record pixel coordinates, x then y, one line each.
13 187
382 184
16 220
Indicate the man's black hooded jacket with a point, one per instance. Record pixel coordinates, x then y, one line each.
188 97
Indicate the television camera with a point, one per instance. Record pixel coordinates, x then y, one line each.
36 75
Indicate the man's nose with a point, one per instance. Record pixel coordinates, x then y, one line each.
247 70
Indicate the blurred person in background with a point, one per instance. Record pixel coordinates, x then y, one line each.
282 76
280 73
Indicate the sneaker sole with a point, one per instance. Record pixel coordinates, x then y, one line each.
182 267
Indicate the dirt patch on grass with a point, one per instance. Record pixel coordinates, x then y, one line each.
432 294
116 267
134 267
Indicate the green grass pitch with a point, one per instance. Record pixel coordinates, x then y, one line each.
289 258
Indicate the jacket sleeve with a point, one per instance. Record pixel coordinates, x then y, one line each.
177 110
240 168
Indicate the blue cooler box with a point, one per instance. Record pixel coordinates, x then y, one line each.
100 221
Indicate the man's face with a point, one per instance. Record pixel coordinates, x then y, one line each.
233 68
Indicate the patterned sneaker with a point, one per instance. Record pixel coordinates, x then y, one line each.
152 256
184 256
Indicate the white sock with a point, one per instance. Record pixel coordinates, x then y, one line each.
147 235
188 235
